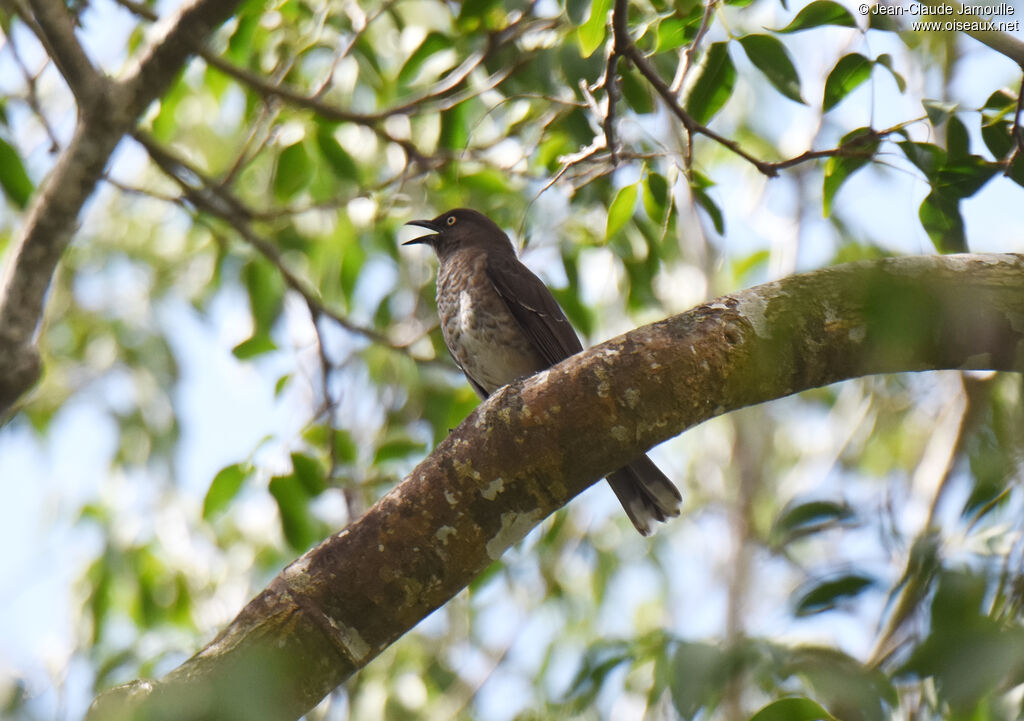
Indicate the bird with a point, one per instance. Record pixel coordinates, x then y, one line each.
501 323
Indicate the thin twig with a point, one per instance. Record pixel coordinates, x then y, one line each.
210 197
56 31
691 49
343 52
32 94
688 121
445 86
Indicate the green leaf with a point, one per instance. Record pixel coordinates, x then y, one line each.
673 32
825 595
818 13
577 10
847 75
770 56
165 124
964 177
266 293
310 473
455 127
338 160
241 40
794 708
991 470
938 112
928 157
656 196
353 257
958 144
557 144
258 344
298 526
621 210
591 34
432 44
953 179
1016 171
886 61
715 79
711 208
13 179
476 13
487 181
958 601
841 682
884 22
968 654
698 670
756 261
397 449
941 219
598 662
839 168
223 488
996 122
281 384
293 173
345 450
636 91
807 517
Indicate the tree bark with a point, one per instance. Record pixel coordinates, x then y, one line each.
537 443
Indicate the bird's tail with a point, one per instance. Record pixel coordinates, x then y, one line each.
646 494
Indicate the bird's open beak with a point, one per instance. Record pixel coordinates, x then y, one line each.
429 225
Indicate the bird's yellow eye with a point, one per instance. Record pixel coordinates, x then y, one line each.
450 220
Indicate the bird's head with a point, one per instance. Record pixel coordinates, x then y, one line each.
461 228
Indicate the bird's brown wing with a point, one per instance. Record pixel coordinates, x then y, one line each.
534 308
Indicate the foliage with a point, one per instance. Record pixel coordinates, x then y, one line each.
853 553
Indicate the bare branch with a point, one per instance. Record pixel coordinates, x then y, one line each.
32 93
57 34
343 52
211 197
447 85
687 62
689 122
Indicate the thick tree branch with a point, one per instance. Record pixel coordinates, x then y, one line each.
52 217
536 444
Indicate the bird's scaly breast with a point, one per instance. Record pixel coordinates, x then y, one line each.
478 329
